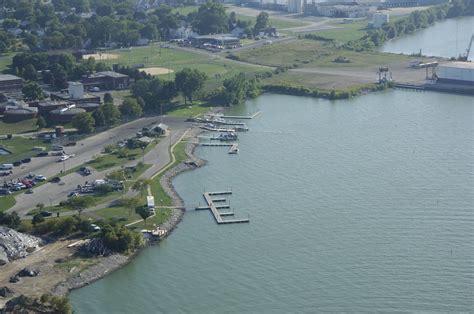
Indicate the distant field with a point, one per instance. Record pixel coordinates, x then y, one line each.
275 22
311 53
17 127
345 32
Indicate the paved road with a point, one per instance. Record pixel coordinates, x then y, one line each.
53 193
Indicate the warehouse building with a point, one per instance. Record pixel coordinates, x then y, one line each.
107 80
10 82
456 72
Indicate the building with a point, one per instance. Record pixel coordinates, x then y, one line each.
378 20
348 10
218 40
10 82
295 6
107 80
16 114
46 106
65 115
456 72
75 94
182 33
409 3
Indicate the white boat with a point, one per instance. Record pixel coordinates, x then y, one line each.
234 149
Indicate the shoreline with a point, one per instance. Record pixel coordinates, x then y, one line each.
114 262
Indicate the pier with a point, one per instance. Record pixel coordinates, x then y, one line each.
216 144
214 208
242 117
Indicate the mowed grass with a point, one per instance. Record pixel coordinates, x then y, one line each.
111 160
20 147
18 127
186 10
190 110
272 21
345 32
310 53
6 202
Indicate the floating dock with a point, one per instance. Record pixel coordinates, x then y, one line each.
214 209
241 117
217 144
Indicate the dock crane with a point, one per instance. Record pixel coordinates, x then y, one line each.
468 51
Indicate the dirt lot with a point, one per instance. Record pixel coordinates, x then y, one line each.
43 260
156 71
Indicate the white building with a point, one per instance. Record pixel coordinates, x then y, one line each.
295 6
76 90
456 72
379 19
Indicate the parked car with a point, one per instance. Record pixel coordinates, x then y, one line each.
55 180
5 191
46 213
58 148
71 144
26 160
30 191
64 158
42 154
17 163
95 227
73 194
40 178
84 171
6 166
5 173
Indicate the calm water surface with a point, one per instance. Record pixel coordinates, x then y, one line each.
357 205
447 38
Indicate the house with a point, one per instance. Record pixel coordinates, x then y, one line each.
182 33
238 32
10 82
107 80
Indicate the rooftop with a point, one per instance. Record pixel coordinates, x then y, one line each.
8 77
112 74
459 65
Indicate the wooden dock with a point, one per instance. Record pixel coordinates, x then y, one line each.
242 117
217 144
214 208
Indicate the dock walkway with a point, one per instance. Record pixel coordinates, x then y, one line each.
214 208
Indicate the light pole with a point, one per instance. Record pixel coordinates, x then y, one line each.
161 202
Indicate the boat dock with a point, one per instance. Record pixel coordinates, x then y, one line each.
216 144
242 117
214 208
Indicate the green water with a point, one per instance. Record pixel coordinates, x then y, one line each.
357 205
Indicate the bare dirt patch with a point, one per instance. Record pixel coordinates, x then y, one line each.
101 56
156 71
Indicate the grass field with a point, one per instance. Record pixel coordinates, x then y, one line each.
273 21
6 202
311 53
6 61
345 32
186 10
20 147
18 127
196 108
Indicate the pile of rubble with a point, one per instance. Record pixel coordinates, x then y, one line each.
14 245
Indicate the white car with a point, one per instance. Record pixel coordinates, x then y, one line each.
64 158
40 178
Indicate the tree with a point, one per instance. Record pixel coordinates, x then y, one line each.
37 218
10 220
189 81
144 212
32 91
130 107
30 73
80 203
111 113
41 122
99 118
84 123
262 22
141 185
108 98
130 203
211 18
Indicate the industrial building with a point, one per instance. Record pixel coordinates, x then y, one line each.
456 72
107 80
295 6
75 94
10 82
218 40
65 115
16 114
379 19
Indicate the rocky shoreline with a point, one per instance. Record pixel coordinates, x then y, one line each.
114 262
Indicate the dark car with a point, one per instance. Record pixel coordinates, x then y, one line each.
42 154
17 163
46 213
26 160
55 180
84 171
71 144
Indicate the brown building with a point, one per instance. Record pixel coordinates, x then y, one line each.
10 82
46 106
107 80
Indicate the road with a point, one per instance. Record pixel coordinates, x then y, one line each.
52 193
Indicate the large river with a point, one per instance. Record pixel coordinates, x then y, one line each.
360 205
447 38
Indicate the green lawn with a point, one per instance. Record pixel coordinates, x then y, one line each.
6 61
20 147
186 10
6 202
273 21
345 32
197 108
18 127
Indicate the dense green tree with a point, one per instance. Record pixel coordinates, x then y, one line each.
108 98
261 22
144 212
11 220
211 18
30 73
155 92
99 117
37 218
189 82
32 91
41 122
131 108
111 113
84 123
